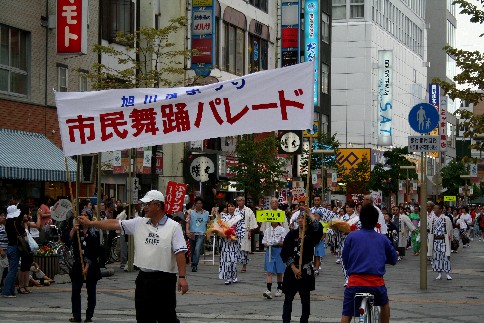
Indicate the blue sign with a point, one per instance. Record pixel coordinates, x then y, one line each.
423 118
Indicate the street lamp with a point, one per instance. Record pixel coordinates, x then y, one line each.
323 152
407 188
465 178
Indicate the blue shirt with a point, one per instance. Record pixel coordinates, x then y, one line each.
366 252
198 221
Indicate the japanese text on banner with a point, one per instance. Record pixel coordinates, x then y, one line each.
118 119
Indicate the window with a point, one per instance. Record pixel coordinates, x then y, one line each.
324 78
450 34
62 77
83 82
13 60
325 28
258 51
117 16
339 9
451 7
357 9
450 68
234 59
261 4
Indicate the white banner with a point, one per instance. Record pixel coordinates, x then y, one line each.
279 99
385 97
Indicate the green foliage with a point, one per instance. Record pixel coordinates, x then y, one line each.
258 171
471 64
149 59
451 176
387 180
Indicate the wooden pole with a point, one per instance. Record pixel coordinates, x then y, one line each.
308 178
74 205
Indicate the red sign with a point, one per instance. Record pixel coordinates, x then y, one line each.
290 37
175 196
71 26
204 46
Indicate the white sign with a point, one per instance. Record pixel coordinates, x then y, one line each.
385 97
202 22
201 167
473 170
118 119
135 187
61 209
423 143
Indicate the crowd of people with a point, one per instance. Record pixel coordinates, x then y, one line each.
294 266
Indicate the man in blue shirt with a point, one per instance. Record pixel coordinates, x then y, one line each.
365 254
196 228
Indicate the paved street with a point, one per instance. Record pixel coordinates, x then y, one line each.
209 300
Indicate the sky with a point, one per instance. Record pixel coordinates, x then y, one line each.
468 33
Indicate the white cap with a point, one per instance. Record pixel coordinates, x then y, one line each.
153 195
12 212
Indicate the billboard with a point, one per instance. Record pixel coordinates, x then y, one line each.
385 97
71 26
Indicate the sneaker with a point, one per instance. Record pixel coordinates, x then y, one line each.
278 293
125 268
338 261
10 296
194 269
438 277
316 272
448 277
267 294
399 258
228 282
234 280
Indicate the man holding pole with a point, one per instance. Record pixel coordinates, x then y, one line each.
297 253
159 249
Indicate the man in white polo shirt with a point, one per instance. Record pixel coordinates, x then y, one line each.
159 249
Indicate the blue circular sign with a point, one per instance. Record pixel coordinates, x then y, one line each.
423 118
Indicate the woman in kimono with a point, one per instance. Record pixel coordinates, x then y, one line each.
439 243
230 252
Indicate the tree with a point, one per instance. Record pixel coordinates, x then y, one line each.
451 176
150 59
469 83
258 170
387 180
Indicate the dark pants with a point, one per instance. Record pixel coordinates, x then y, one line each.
305 304
155 297
76 298
108 242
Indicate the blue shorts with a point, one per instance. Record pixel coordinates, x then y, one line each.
352 309
319 249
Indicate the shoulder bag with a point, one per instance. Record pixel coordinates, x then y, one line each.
22 244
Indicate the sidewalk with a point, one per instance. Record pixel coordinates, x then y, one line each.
209 300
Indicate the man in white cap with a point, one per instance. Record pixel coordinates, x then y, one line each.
159 249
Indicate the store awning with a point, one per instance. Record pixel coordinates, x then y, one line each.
32 157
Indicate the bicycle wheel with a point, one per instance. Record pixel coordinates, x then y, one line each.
376 314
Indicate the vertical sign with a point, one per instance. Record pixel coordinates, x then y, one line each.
311 41
72 26
434 99
203 36
290 32
175 196
385 97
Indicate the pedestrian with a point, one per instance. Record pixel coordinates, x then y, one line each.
196 226
123 243
3 248
250 224
273 241
230 252
439 238
404 225
90 273
159 251
299 275
415 236
365 254
13 221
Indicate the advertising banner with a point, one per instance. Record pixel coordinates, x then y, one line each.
71 26
385 97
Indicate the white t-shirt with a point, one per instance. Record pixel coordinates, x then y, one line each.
466 217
